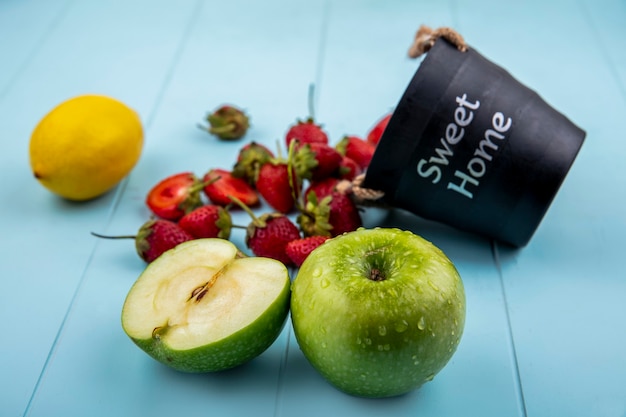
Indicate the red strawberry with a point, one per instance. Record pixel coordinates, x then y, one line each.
207 221
275 187
155 237
249 161
221 184
331 215
175 195
376 132
358 149
299 249
227 122
349 169
306 132
321 188
269 234
316 161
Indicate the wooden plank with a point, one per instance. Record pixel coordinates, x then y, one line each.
256 55
365 71
91 48
564 290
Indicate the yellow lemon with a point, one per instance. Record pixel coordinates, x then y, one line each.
85 146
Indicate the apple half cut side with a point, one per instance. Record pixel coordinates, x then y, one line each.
202 307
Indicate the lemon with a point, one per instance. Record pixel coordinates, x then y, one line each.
85 146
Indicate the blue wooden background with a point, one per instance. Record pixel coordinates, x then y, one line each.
545 324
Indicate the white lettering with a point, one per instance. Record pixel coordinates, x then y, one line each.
498 119
443 154
463 102
461 188
477 167
454 134
432 169
463 116
486 142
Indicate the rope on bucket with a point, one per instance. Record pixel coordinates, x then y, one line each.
425 38
361 196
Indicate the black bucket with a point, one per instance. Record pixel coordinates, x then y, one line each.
470 146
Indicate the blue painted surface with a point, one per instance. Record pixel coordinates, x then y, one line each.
544 333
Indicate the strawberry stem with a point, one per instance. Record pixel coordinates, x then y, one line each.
311 99
199 185
295 192
227 128
113 237
257 222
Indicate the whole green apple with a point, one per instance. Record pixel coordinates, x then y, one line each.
378 312
203 307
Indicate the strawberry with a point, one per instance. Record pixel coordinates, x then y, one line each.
349 169
207 221
299 249
269 234
358 149
155 237
318 160
306 132
175 196
330 216
249 161
275 187
376 132
221 184
321 188
227 122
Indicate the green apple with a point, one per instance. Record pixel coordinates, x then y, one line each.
204 307
378 312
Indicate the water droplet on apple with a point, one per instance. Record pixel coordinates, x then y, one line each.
421 324
324 283
401 326
323 329
368 341
358 340
430 377
387 347
324 345
382 330
317 272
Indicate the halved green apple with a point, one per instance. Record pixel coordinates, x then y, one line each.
203 307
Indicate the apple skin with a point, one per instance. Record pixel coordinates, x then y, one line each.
228 352
378 338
